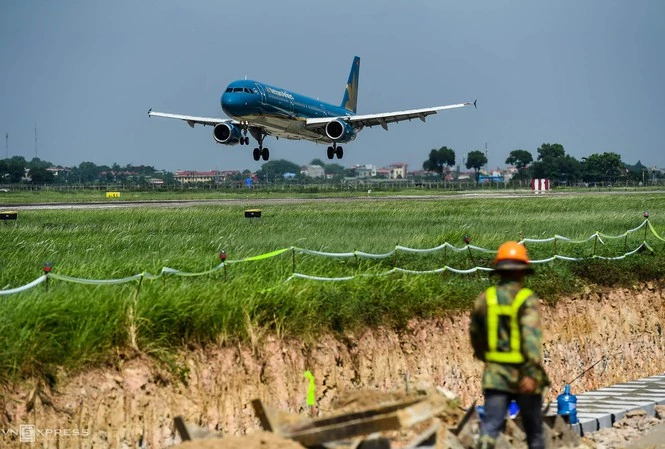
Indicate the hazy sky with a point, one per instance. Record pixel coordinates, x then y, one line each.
587 74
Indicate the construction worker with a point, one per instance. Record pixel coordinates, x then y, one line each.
506 334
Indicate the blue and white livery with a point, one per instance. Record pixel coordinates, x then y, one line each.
263 110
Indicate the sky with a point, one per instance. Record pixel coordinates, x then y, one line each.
586 74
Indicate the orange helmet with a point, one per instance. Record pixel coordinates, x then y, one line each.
512 256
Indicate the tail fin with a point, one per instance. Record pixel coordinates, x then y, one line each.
350 100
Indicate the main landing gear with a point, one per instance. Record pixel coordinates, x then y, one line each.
334 150
260 152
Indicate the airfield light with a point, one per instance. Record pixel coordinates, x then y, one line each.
222 256
646 215
467 239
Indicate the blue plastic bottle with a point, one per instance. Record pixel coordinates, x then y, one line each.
567 404
513 409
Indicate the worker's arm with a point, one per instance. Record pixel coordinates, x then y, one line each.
478 328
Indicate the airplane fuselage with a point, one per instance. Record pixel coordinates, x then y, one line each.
281 112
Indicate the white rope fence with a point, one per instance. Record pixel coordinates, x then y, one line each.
597 236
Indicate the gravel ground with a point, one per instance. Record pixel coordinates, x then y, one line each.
636 431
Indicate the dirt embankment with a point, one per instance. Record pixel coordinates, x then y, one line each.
134 405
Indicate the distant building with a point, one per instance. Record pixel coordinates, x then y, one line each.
364 171
226 174
383 172
494 177
59 171
313 171
191 177
398 170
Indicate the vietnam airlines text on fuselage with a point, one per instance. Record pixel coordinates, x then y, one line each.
262 110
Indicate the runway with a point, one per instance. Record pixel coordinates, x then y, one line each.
111 204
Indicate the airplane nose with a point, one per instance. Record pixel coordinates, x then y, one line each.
232 104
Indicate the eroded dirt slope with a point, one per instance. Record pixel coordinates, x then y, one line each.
134 404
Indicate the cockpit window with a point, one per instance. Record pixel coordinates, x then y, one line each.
247 90
237 89
229 89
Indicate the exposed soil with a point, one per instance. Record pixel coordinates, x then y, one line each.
133 405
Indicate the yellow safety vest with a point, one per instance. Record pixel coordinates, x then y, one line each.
494 311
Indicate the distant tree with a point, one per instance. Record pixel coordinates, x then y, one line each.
602 167
15 167
520 159
350 172
88 172
317 162
475 160
41 175
334 169
565 168
555 164
272 170
440 159
553 150
37 163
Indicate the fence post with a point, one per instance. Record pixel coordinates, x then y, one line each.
293 260
222 257
132 316
47 272
595 243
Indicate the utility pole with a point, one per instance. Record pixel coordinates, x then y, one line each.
36 139
7 145
488 160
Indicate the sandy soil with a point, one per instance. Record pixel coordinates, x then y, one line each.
133 404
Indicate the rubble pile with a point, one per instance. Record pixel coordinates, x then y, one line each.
374 420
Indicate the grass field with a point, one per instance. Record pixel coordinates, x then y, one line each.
73 325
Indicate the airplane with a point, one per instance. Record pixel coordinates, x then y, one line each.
264 110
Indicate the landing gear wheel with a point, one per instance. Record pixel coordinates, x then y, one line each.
331 152
339 152
257 154
265 154
246 140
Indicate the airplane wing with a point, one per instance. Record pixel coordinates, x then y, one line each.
360 121
192 120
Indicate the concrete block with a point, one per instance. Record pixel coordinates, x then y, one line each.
603 419
588 425
659 400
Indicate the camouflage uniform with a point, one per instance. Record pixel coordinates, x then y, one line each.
503 379
506 377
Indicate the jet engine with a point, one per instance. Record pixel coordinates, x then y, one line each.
226 133
340 131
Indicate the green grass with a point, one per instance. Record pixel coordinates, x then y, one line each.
72 326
